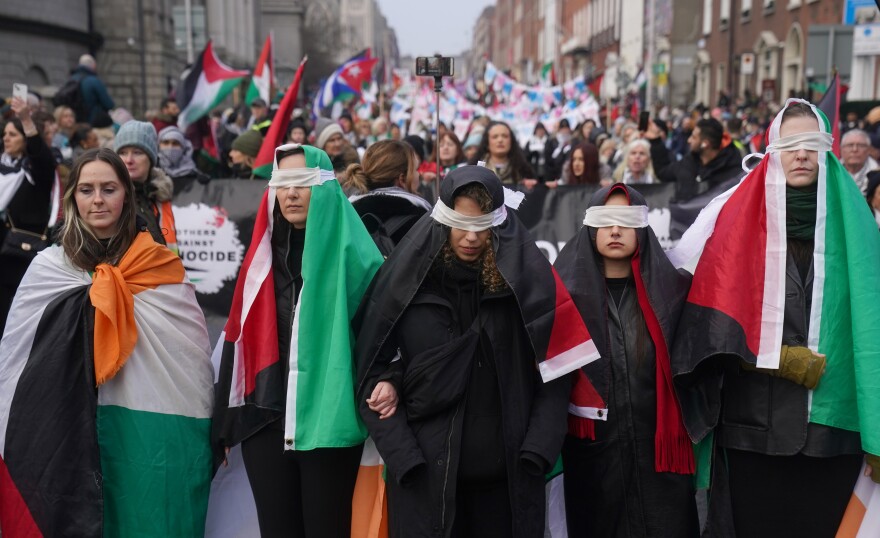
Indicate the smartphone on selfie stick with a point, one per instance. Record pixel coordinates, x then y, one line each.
438 67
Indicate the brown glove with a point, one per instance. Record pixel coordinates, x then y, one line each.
874 463
798 365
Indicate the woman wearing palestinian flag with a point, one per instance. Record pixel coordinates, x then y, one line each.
777 350
628 467
108 307
286 379
470 325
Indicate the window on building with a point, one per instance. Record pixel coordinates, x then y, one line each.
794 4
707 17
199 33
769 6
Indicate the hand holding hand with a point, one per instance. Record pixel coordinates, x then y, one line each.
383 400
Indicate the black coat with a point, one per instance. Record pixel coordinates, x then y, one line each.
770 415
422 443
690 175
611 486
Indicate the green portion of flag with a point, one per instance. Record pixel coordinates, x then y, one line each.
848 395
338 263
157 472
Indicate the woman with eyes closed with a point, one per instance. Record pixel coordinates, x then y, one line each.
107 308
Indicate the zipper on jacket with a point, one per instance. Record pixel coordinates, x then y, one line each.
446 473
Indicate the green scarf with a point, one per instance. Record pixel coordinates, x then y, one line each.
800 211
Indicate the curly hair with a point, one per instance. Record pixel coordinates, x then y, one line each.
490 276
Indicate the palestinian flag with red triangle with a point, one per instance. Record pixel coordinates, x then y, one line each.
278 130
261 80
737 252
209 82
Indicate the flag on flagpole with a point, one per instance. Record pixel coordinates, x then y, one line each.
278 129
829 104
548 74
261 80
345 82
209 82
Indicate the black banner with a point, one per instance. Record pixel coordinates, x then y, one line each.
215 223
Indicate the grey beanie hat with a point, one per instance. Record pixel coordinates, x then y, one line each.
324 129
139 134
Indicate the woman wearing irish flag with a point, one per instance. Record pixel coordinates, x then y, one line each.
108 307
777 351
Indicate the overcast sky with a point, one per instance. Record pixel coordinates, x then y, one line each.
425 27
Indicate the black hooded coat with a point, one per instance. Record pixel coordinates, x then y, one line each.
472 400
611 486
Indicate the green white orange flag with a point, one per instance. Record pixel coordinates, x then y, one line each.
209 82
261 80
132 456
278 130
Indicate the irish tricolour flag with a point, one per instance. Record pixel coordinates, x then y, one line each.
131 457
207 84
261 80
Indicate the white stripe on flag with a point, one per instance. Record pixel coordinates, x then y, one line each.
169 370
569 361
292 379
773 305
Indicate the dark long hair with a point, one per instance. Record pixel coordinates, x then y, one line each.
591 165
77 239
459 153
516 158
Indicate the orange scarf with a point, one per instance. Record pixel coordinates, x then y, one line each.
146 265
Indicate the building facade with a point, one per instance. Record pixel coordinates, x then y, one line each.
759 47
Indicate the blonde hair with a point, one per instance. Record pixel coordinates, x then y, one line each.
619 172
382 165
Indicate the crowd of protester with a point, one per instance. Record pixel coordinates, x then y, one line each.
440 368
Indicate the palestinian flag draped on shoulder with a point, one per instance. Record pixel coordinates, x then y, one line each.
736 251
132 456
208 83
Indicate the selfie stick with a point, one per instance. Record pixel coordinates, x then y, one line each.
438 87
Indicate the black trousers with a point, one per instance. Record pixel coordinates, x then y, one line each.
482 510
789 495
300 493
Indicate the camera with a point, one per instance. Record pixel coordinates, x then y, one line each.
434 66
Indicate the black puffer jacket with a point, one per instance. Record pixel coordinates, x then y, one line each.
690 175
438 430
